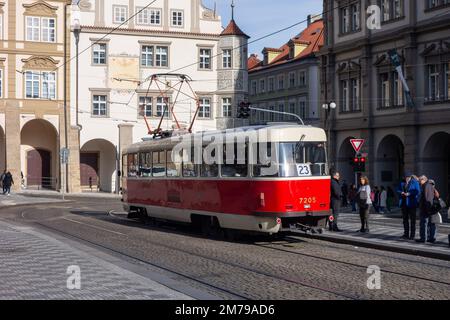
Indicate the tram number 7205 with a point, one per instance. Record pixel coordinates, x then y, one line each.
308 200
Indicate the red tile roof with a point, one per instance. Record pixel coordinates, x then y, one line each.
233 30
312 37
253 61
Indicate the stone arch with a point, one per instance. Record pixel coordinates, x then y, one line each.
39 145
390 161
98 165
436 161
344 161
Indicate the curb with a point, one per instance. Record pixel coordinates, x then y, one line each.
380 246
34 204
69 196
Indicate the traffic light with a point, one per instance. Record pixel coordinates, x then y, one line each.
244 110
359 163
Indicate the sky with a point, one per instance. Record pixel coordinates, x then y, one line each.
258 18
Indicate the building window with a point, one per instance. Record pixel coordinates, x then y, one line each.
205 108
354 99
397 90
1 83
291 80
145 106
48 85
155 17
385 92
161 106
302 78
302 105
120 14
271 85
433 82
431 4
345 96
350 18
99 105
253 88
391 9
162 56
262 86
226 59
226 107
147 56
177 18
205 59
447 80
1 26
99 54
281 82
40 85
41 29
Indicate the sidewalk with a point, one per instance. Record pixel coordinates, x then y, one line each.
35 266
16 199
385 233
56 194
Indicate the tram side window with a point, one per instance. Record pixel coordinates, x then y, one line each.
173 169
209 170
260 169
159 164
132 161
189 167
145 164
235 160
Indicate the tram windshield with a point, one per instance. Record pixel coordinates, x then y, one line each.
302 159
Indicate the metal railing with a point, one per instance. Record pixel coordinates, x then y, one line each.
39 183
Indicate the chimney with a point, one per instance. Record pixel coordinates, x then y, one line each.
309 20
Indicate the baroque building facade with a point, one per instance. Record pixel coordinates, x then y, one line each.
128 41
358 75
34 93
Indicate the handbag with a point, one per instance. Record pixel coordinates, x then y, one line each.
362 198
436 218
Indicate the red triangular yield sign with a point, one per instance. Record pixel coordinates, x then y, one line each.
357 144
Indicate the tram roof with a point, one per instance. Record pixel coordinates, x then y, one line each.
277 132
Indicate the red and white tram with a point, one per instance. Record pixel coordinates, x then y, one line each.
233 196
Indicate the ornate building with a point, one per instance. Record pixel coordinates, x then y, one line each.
358 75
34 91
128 43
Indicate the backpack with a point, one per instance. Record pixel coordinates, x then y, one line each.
438 203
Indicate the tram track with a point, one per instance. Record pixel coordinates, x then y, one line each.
234 295
350 264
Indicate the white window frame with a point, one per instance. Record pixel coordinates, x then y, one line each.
204 111
1 83
345 95
433 75
227 62
35 29
1 26
161 56
205 59
145 106
39 78
227 111
385 90
147 56
46 27
120 12
96 61
97 99
177 18
160 105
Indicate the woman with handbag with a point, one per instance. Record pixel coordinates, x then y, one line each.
364 202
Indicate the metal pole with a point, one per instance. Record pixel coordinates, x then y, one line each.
66 138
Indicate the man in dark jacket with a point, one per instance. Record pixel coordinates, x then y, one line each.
427 228
409 194
7 182
335 201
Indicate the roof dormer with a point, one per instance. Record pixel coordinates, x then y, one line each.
296 46
270 54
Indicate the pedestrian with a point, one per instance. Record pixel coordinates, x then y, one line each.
335 201
2 177
7 182
344 190
390 199
364 202
409 195
376 198
352 197
427 228
383 200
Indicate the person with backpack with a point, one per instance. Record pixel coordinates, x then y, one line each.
409 195
7 182
364 202
427 196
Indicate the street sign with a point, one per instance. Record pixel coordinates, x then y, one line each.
64 154
357 144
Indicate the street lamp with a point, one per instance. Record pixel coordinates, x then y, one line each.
328 107
76 29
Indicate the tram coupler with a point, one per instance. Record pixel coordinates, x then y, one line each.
305 228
